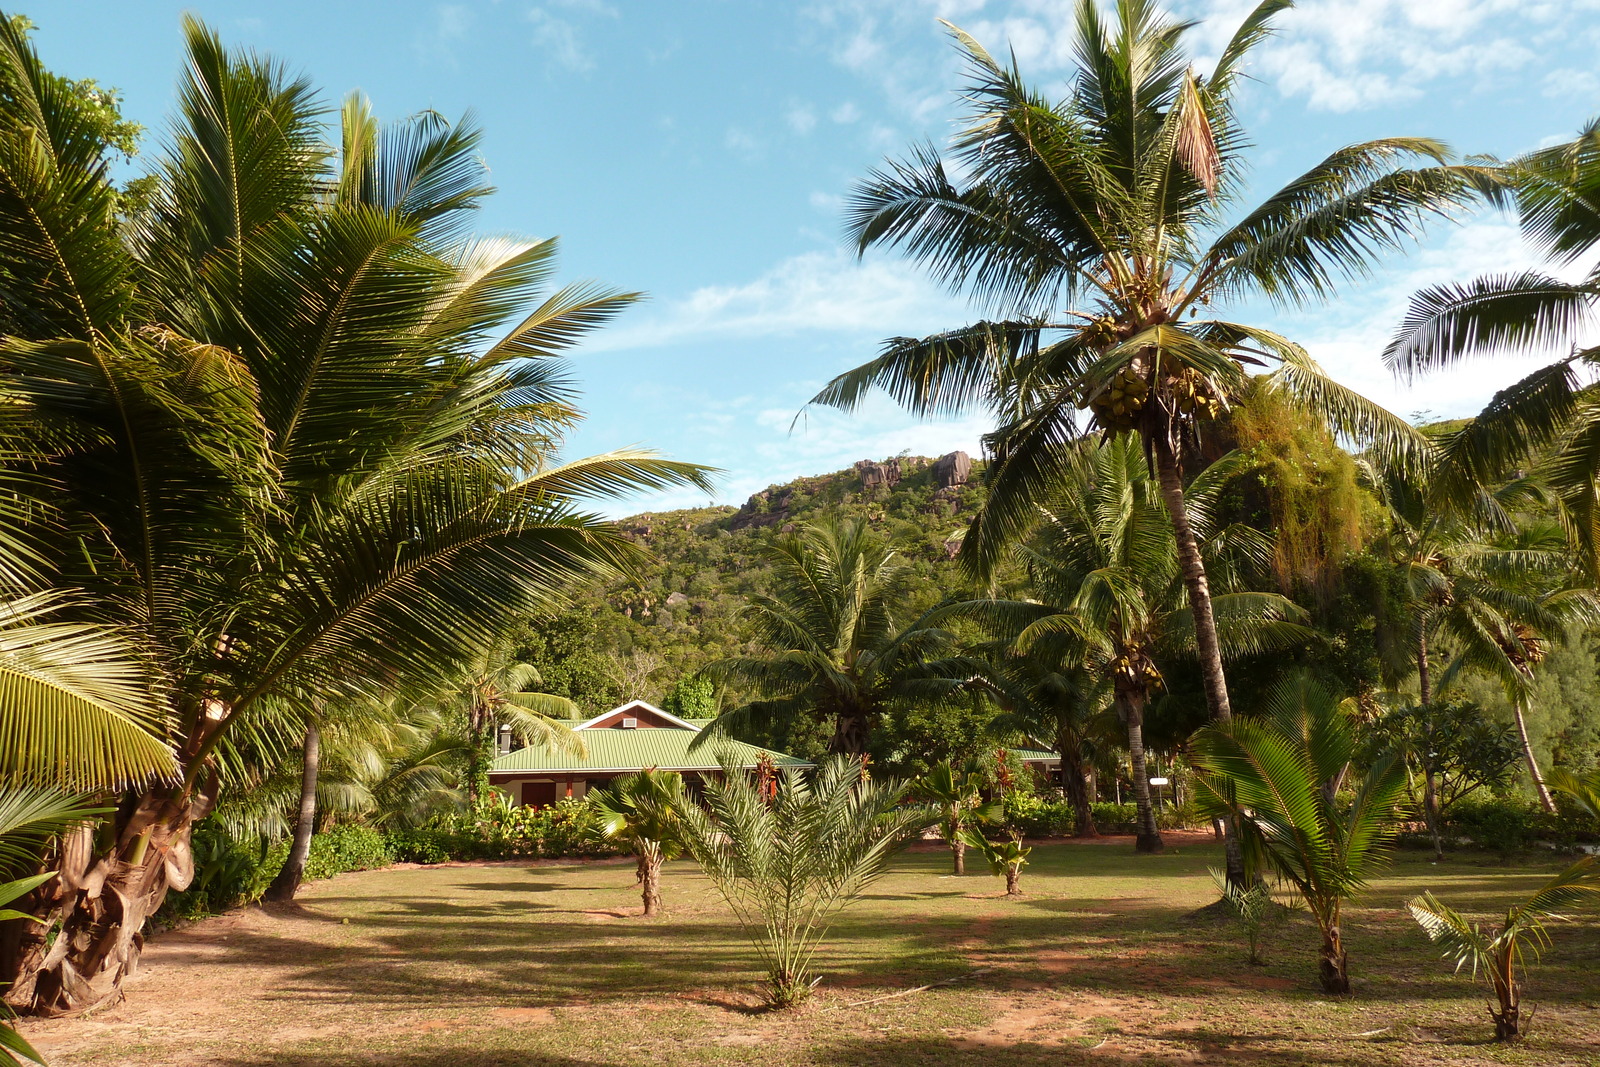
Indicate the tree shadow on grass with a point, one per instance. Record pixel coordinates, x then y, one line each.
454 1057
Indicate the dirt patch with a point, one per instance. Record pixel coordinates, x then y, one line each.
522 1015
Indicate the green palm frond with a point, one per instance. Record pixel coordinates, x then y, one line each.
76 703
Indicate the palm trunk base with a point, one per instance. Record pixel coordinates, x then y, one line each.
1507 1023
959 853
1149 842
1334 970
1013 883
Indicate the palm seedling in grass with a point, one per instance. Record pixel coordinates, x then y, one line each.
1498 955
1006 857
1281 777
788 863
644 811
958 796
1254 906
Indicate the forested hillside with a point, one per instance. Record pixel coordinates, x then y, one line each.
639 638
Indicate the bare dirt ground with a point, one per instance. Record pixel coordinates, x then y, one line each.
1104 961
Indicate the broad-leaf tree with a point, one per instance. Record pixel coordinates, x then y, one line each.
300 429
1107 232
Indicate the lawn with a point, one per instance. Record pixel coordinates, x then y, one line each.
1104 961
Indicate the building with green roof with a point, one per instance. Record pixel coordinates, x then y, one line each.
622 741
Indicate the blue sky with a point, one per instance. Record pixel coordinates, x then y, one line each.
699 150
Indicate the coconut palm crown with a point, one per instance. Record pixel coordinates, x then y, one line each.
1106 229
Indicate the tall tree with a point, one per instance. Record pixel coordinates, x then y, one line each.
1102 227
1106 572
299 427
832 645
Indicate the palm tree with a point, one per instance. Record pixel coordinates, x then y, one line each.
299 428
645 810
1499 954
1282 779
1048 694
833 649
1484 577
1105 567
788 864
1005 858
958 797
1550 419
1101 226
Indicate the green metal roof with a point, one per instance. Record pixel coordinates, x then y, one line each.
1030 755
632 750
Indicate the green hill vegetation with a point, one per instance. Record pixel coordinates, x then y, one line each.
640 638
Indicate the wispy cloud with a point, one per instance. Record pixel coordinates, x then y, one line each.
557 31
826 292
437 40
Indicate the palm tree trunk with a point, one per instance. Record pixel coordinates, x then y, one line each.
1075 780
1013 881
1424 677
1545 799
1334 966
652 879
958 852
1205 623
849 735
1430 810
287 881
1148 838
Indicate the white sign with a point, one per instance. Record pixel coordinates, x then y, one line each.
1158 781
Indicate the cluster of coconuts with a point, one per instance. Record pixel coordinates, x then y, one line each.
1119 406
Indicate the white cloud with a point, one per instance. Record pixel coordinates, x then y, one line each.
801 118
845 113
812 292
450 26
560 36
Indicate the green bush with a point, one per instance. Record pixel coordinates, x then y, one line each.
423 846
346 848
1502 824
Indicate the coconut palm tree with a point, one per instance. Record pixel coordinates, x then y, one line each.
645 811
1499 954
1105 567
1550 420
833 647
299 428
1049 695
1283 778
1104 228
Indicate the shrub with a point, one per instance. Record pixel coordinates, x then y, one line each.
1503 824
346 848
423 846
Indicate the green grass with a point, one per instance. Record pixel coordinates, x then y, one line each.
1103 962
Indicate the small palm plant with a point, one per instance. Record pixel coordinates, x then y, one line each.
789 861
1254 906
644 811
1006 857
1281 778
958 796
1498 955
1583 790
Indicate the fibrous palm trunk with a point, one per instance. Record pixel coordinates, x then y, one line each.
1518 708
1208 647
958 853
1075 781
105 894
650 864
1013 882
1148 838
1334 965
849 734
1507 1017
287 881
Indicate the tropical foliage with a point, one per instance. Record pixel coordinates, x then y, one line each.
1500 955
1283 779
644 811
789 863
